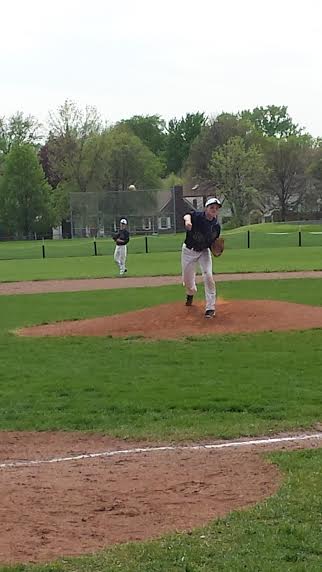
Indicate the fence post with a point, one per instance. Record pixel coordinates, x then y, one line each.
43 248
300 238
248 239
95 247
146 244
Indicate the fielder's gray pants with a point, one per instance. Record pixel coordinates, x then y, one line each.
120 253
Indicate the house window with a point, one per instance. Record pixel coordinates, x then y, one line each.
195 203
164 222
146 223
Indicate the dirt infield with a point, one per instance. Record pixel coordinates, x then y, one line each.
170 321
75 507
41 286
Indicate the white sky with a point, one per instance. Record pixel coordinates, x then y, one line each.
167 57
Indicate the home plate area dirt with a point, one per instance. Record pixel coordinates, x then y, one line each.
170 321
76 507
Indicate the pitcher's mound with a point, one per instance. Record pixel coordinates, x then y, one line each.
169 321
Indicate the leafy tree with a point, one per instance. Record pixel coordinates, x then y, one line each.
52 176
73 147
72 155
288 161
18 129
151 129
25 196
71 122
238 172
128 161
212 136
181 134
272 121
172 180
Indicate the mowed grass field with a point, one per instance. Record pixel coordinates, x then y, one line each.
274 247
161 264
197 388
269 235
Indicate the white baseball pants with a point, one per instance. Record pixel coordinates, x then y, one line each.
189 259
120 253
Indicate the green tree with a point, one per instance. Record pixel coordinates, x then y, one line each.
239 172
18 129
128 161
213 136
288 161
181 134
272 121
72 155
151 129
74 146
25 196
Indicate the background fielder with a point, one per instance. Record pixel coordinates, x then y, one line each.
121 239
202 229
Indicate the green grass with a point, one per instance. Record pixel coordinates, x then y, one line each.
282 534
277 227
269 235
166 389
225 386
162 263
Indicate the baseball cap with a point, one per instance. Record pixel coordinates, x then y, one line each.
213 201
123 221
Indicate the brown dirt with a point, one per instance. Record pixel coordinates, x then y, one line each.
169 321
76 507
74 285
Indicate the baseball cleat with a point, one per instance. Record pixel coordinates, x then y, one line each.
209 313
189 300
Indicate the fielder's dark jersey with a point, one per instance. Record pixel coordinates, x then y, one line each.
203 231
123 234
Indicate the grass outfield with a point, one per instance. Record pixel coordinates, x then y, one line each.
178 389
161 264
269 235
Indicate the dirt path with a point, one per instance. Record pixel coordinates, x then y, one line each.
37 287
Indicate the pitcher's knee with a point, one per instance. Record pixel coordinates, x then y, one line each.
208 278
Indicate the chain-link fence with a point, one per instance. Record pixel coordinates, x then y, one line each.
153 243
147 212
155 222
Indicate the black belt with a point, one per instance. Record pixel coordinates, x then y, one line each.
196 249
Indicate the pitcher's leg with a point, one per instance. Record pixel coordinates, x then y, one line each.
188 265
205 262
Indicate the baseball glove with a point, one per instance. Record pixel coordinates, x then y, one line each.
119 242
218 246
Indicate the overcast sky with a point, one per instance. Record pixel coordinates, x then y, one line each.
165 57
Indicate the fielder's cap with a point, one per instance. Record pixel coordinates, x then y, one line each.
213 201
123 221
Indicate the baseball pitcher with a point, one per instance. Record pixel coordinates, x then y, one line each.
202 232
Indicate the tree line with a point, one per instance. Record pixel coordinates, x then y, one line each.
259 161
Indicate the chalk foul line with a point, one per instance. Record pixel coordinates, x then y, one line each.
137 450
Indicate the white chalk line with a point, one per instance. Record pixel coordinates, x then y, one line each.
119 452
